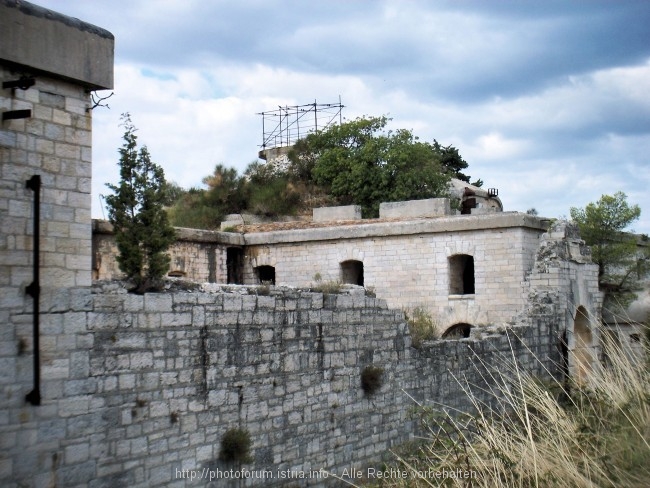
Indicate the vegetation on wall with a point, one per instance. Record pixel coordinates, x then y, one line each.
357 162
136 209
372 378
235 446
421 326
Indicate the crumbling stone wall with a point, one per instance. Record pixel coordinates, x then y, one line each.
137 389
563 277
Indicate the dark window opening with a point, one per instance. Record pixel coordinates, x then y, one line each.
461 275
176 274
563 346
352 272
467 206
458 331
265 274
234 259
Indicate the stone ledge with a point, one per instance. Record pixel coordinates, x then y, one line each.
455 223
430 207
37 38
327 214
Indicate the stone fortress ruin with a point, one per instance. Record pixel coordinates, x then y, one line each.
103 388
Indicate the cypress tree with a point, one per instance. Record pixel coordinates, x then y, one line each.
136 210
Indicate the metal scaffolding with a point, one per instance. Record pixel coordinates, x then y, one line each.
285 125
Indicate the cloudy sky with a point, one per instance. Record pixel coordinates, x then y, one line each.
548 101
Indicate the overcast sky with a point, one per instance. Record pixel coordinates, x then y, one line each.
548 101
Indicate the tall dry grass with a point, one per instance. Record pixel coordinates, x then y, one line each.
544 435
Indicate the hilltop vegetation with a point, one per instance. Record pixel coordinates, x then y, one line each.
357 162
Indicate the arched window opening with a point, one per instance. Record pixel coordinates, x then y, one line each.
458 331
265 274
352 272
461 275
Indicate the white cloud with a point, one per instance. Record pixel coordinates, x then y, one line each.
547 101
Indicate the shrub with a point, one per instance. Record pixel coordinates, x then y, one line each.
371 379
422 326
264 289
329 287
235 446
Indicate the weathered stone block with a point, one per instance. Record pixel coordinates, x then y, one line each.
158 302
347 212
432 207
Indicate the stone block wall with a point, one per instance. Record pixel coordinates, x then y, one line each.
198 255
137 389
406 263
413 270
49 64
346 212
54 143
430 207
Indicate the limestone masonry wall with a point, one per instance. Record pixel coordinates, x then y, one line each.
138 388
406 262
413 270
198 255
54 143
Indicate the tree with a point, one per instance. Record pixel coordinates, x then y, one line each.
226 190
602 226
358 162
451 159
136 210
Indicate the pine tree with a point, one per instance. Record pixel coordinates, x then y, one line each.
136 210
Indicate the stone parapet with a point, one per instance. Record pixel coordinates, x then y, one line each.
328 214
459 223
428 208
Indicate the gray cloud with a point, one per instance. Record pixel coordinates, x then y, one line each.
546 100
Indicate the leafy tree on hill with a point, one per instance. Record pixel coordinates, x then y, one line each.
359 162
193 210
136 210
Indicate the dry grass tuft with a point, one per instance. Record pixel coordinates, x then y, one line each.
557 435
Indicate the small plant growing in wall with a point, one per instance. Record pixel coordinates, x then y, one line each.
235 446
421 326
372 378
136 209
326 287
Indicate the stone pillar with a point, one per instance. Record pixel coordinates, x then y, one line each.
49 64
